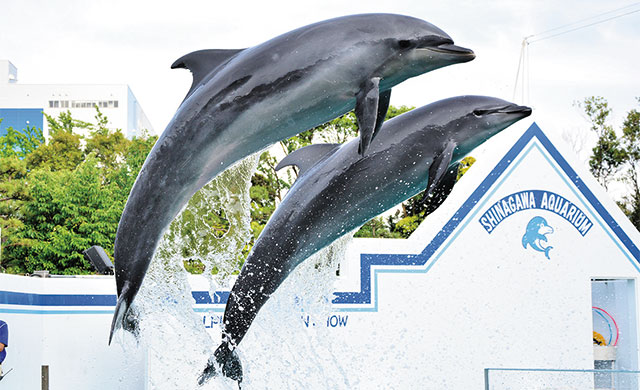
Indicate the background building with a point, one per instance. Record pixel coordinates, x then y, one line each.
22 105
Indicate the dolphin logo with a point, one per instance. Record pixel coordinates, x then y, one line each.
338 190
242 101
536 234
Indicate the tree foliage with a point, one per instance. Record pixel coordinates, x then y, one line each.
631 145
608 155
58 198
616 157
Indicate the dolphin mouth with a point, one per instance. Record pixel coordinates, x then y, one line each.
516 109
509 109
450 48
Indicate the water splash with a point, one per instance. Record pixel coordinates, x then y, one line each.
290 334
283 338
177 343
199 232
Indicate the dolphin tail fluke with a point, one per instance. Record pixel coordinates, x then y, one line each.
225 360
547 250
118 316
124 318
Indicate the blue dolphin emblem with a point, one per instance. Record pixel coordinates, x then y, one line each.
537 230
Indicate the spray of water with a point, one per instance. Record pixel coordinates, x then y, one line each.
178 346
290 333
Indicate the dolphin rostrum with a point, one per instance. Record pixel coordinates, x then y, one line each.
242 101
338 190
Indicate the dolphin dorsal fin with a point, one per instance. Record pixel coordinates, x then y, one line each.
202 62
371 109
307 157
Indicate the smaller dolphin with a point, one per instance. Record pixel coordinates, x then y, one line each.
338 190
537 230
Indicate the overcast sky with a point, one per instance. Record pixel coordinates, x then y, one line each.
135 42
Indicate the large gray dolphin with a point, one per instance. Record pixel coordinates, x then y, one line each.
338 190
242 101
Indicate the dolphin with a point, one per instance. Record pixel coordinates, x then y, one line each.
242 101
338 190
536 233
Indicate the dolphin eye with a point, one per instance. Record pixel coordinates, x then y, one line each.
404 44
478 113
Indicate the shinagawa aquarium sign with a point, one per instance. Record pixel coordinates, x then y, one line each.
535 200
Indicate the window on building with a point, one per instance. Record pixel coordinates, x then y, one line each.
94 103
614 331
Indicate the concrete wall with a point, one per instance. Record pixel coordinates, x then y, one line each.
56 323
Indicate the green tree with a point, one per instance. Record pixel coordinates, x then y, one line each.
64 148
20 143
608 155
69 211
377 227
107 145
613 154
631 145
13 195
65 195
14 147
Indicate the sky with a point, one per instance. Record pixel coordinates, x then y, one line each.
134 42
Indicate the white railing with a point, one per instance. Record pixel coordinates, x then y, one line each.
559 379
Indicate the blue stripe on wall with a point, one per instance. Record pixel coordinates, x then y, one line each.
29 299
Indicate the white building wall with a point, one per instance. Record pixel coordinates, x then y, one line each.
126 114
73 343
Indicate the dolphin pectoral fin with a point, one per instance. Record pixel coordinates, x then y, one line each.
440 166
202 62
431 201
367 113
547 250
383 107
307 157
